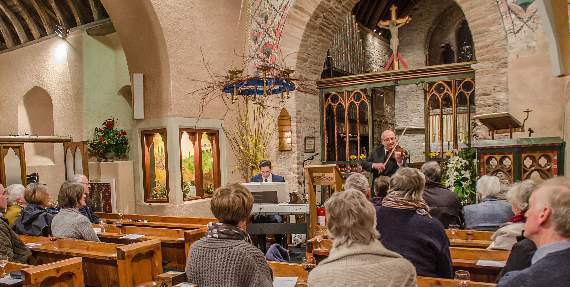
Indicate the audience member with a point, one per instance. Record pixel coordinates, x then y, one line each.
548 226
359 182
357 257
16 202
407 228
491 212
11 247
518 196
381 186
86 210
226 257
35 218
69 222
443 203
520 256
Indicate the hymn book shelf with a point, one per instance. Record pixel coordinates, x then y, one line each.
105 264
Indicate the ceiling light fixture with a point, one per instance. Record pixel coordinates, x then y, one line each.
61 31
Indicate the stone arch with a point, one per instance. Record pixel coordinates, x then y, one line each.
484 19
35 117
143 41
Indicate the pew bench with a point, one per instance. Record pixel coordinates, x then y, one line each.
104 264
469 259
469 238
68 272
441 282
175 243
158 218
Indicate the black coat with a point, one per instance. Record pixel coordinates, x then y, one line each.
88 212
379 156
520 257
443 204
34 220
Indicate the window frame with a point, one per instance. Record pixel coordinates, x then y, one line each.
216 168
146 164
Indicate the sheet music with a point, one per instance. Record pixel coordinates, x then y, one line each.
284 281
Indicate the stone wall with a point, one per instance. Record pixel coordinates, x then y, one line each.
376 50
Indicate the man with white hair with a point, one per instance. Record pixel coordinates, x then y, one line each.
16 202
85 210
491 212
548 226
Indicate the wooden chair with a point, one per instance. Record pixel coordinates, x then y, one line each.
104 264
467 259
441 282
282 269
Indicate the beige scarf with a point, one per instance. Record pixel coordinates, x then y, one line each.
395 200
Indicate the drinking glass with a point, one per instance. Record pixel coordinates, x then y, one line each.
3 264
102 226
462 278
453 228
121 213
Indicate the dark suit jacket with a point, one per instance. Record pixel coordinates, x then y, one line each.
520 257
379 156
274 178
443 204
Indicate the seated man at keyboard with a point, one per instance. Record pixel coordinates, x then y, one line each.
265 174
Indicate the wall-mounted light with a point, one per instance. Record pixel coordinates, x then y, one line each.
61 31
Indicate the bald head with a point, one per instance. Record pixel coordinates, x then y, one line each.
388 139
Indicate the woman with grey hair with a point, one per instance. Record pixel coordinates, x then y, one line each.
357 258
359 182
407 228
16 202
490 213
518 196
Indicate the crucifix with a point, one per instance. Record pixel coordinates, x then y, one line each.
393 25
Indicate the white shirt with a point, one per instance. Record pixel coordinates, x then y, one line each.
268 179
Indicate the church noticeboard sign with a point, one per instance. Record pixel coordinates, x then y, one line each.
309 144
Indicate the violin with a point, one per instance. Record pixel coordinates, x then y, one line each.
397 148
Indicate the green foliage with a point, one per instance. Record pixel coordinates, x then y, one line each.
460 175
109 139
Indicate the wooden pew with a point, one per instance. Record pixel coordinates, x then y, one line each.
441 282
175 243
104 264
282 269
469 238
466 259
158 218
68 272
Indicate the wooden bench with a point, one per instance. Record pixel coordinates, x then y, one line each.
68 272
441 282
104 264
158 218
467 259
175 243
469 238
282 269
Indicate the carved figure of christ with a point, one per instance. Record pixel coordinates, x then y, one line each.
393 25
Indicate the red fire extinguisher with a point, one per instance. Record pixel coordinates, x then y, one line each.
321 213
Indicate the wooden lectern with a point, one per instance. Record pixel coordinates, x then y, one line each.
499 123
323 175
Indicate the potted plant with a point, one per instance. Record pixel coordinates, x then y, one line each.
109 142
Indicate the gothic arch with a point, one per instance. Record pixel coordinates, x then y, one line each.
484 19
35 117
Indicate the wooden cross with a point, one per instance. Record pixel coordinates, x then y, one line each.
393 25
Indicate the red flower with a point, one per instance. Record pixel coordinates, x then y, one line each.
101 139
123 133
110 123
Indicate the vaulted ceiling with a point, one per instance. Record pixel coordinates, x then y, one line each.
24 21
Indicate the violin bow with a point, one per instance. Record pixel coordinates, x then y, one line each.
394 148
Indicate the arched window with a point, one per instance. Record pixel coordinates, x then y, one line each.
465 46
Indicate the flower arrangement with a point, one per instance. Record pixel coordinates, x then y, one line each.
109 141
460 175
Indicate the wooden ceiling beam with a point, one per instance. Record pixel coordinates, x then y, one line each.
58 13
94 10
6 34
75 12
29 20
41 10
15 22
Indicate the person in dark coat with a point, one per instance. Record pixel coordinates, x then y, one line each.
265 173
407 228
520 256
86 210
548 226
375 162
35 219
443 203
490 213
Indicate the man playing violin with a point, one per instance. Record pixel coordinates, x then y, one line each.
377 162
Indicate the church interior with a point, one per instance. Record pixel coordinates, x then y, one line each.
160 106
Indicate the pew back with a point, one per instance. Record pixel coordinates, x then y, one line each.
282 269
158 218
67 272
441 282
